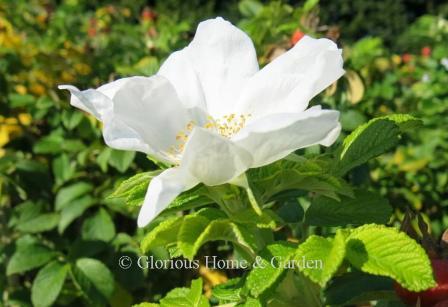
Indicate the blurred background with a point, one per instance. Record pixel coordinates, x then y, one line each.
56 173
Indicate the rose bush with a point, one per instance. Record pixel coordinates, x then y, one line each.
70 204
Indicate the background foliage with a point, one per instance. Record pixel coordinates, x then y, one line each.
56 175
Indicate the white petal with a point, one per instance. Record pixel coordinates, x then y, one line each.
224 58
138 113
213 159
116 134
98 101
179 70
151 108
162 190
275 136
289 82
90 100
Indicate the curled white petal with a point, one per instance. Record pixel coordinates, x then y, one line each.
138 113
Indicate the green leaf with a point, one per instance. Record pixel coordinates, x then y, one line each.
19 100
103 158
197 230
29 256
121 297
351 119
366 142
252 302
372 139
48 283
40 223
71 119
94 279
50 144
73 211
98 227
124 189
249 8
267 219
291 211
319 258
163 234
70 193
355 288
384 251
133 190
309 5
405 122
365 207
121 160
296 173
268 267
25 211
231 291
137 195
188 200
184 297
296 287
63 170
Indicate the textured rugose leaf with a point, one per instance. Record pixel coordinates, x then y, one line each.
385 251
404 121
137 195
366 142
98 227
48 283
268 270
163 234
366 207
188 200
252 302
197 230
326 255
140 180
296 173
184 297
372 139
356 287
28 257
94 279
229 291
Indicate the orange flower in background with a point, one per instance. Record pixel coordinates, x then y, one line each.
426 51
91 31
148 14
296 36
406 57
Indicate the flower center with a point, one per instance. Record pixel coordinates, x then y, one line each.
227 126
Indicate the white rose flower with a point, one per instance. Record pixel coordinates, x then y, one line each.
212 113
